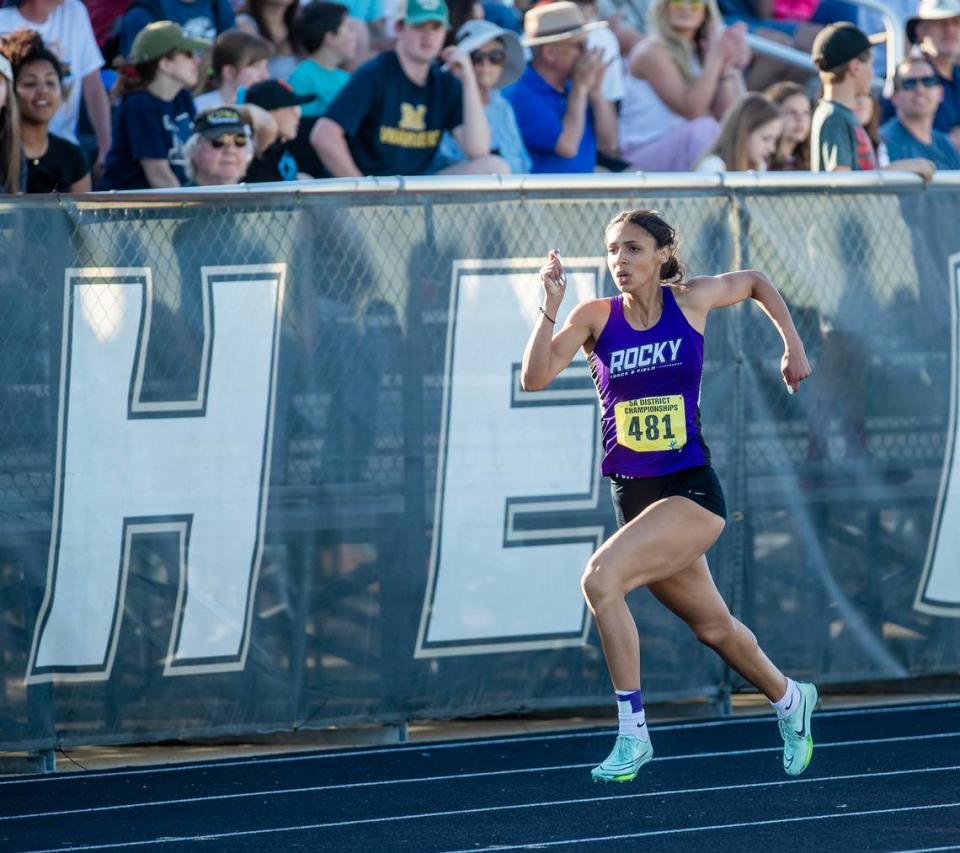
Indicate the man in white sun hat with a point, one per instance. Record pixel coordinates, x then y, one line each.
559 103
936 29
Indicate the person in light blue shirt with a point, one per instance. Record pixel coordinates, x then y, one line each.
917 94
326 34
366 10
497 58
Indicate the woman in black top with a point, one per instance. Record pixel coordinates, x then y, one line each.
53 163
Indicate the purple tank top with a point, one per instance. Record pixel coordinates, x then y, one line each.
649 387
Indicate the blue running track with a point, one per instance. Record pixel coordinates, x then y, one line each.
881 779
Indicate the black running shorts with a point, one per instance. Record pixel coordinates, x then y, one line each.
632 495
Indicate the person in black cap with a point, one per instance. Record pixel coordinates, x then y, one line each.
223 144
838 143
277 161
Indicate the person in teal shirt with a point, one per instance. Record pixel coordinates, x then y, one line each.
325 31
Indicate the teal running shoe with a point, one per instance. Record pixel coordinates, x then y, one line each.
628 756
795 731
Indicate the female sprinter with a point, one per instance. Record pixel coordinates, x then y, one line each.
645 348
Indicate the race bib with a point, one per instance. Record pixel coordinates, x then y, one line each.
652 423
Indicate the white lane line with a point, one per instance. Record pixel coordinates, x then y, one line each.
451 777
428 746
930 849
538 844
518 806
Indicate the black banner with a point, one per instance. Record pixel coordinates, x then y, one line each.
266 464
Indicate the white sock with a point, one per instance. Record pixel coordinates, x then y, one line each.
633 720
788 702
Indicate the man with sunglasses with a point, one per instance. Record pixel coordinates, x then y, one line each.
917 94
935 29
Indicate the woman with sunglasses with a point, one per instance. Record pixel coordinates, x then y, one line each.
224 143
497 59
155 116
682 81
645 347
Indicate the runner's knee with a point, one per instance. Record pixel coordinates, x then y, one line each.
717 633
598 581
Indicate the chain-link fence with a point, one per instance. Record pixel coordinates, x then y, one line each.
837 497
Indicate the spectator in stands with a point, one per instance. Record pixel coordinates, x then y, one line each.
563 117
330 40
105 18
368 19
199 19
606 40
793 146
220 149
683 79
276 161
155 116
497 58
64 26
748 137
866 110
239 59
504 16
12 170
53 163
461 11
389 118
837 140
813 11
917 93
794 23
274 20
936 28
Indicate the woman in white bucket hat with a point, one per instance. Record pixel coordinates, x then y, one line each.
497 58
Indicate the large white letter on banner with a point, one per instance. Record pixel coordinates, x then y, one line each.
939 590
198 468
517 474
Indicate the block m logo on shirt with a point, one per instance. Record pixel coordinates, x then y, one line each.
197 468
413 117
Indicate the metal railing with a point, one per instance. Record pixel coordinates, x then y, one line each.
601 181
